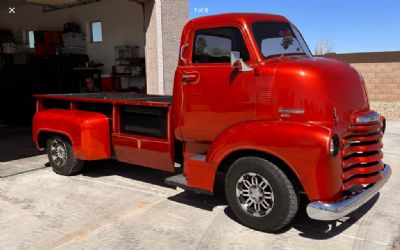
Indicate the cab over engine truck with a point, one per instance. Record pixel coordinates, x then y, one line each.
249 101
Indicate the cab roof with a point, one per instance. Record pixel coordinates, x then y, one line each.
243 18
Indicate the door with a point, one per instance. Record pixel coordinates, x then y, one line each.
215 96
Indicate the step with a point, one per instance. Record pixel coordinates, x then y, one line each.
181 182
198 157
177 181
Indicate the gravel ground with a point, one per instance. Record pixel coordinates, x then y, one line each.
391 110
396 244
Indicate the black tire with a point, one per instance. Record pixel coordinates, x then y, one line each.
65 162
283 199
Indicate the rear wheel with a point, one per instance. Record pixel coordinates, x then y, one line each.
260 194
61 156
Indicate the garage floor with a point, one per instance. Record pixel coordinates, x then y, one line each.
118 206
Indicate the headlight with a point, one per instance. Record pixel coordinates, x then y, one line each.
334 145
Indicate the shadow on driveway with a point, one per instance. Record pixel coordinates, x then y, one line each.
113 167
156 177
16 143
308 228
320 230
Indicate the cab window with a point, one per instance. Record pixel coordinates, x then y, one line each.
215 45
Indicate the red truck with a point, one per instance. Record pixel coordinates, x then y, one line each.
250 102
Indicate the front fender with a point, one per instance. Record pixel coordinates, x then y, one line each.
304 147
88 132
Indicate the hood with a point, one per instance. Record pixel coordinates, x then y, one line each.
327 90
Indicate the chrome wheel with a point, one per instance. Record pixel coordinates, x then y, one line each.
254 194
58 152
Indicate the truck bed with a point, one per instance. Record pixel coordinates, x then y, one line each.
122 98
129 113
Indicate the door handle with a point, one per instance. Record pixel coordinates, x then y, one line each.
190 77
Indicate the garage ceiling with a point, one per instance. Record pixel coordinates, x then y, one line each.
47 4
5 4
53 2
139 1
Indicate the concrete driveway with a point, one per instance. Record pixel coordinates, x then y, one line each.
118 206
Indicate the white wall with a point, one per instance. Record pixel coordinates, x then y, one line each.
122 25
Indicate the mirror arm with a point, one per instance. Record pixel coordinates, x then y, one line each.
244 67
235 58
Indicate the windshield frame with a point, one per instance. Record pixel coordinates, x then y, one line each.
306 49
295 31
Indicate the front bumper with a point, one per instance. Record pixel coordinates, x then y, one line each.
319 210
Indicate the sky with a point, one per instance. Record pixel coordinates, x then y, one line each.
350 25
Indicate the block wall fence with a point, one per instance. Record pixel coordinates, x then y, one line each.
381 73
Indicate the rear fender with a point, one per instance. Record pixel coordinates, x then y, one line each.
89 132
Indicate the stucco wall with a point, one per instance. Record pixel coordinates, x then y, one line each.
175 14
152 71
165 20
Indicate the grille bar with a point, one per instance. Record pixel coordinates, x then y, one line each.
363 138
362 159
375 167
376 146
365 128
362 181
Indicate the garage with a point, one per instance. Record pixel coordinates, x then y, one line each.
56 46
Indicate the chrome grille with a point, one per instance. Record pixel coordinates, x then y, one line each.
362 155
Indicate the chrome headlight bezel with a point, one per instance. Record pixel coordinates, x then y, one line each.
334 145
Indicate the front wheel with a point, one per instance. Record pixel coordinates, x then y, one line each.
260 194
61 156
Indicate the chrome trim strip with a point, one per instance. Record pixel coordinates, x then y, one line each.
291 111
181 52
319 210
373 117
186 76
335 117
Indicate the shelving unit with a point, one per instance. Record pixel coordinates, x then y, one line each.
128 73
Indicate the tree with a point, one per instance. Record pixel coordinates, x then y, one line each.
215 51
201 44
323 48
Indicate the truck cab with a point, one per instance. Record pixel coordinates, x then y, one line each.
250 102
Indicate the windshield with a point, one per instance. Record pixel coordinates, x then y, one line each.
278 39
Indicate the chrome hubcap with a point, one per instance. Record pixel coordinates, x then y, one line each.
58 152
254 194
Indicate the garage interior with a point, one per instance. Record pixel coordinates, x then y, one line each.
53 46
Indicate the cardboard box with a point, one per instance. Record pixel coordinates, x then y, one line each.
9 48
71 39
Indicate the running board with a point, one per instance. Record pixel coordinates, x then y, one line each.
181 182
200 158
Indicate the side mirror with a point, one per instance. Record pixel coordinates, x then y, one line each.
237 62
